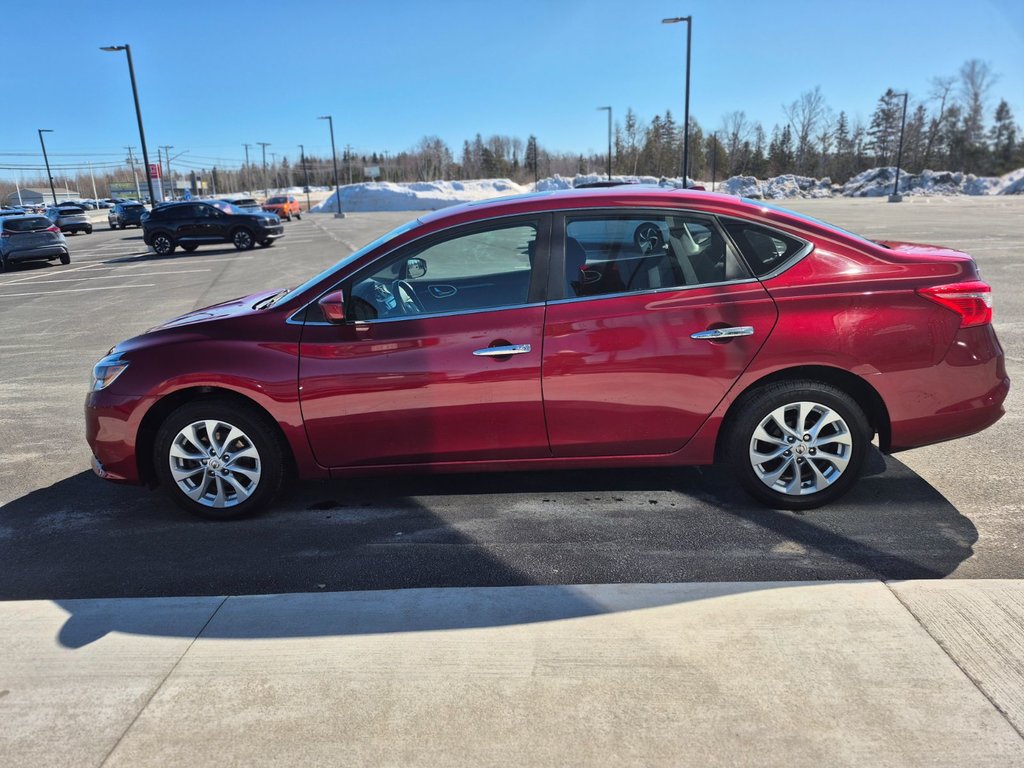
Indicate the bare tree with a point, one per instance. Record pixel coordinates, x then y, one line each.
976 80
735 133
941 88
804 115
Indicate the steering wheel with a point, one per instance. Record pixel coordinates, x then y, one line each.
407 301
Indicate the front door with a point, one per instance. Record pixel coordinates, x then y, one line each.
439 358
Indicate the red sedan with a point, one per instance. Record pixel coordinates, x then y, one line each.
590 328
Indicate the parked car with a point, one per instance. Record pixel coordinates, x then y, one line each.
489 337
198 223
285 206
30 237
104 204
70 218
125 215
246 204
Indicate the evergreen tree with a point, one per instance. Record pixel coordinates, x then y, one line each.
1003 140
884 131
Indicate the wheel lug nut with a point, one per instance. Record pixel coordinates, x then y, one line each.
790 439
807 438
788 453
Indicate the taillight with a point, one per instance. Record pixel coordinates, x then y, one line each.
54 228
971 300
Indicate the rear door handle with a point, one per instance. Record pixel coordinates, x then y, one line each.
724 333
511 349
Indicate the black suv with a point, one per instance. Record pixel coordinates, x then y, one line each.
198 223
126 215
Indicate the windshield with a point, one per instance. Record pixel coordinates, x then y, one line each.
276 200
347 260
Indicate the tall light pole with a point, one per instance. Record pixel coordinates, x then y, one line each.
245 175
138 113
714 157
896 197
305 170
334 156
686 106
47 161
609 110
264 144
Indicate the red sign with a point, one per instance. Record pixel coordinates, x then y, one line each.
154 171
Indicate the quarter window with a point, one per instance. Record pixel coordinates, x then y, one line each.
632 253
764 249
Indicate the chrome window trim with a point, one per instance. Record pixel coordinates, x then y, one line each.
426 315
651 291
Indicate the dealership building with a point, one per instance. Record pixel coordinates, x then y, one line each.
41 196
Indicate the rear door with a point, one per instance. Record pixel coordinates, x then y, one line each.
658 318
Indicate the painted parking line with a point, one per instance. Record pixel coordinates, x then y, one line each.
77 290
36 276
116 277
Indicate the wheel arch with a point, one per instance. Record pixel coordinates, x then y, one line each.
861 391
162 408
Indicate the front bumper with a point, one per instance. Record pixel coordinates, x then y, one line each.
112 428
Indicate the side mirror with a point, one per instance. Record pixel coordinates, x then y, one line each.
333 306
415 267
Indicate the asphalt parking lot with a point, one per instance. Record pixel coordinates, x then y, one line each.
947 510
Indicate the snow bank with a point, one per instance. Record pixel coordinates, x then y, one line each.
877 182
417 196
556 182
777 187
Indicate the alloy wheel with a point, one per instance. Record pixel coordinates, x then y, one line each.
214 463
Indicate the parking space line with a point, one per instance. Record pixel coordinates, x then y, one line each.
77 290
117 277
30 277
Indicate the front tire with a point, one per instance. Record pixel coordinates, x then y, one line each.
189 248
218 459
163 244
798 444
266 243
243 239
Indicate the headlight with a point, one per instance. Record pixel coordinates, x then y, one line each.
106 370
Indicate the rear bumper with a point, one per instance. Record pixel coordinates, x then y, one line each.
46 252
962 395
84 227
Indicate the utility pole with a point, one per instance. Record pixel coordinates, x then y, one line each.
264 144
47 161
167 155
305 171
245 170
348 154
609 109
93 177
896 197
131 162
273 167
334 157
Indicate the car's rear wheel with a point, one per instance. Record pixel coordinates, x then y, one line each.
163 244
3 263
65 258
113 225
189 248
88 230
243 239
798 444
218 459
298 216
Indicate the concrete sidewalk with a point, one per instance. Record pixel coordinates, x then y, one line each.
783 673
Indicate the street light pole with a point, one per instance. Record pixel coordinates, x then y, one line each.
896 197
686 106
609 110
305 170
264 144
334 156
138 114
714 157
245 174
47 161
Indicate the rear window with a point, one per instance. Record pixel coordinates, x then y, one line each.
26 223
277 200
764 249
132 206
67 210
244 202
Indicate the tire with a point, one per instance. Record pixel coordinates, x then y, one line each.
189 248
88 231
803 415
113 226
65 259
243 239
266 243
243 485
298 216
289 217
163 244
3 264
648 237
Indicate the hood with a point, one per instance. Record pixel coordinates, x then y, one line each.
226 309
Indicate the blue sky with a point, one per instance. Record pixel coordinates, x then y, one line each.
213 75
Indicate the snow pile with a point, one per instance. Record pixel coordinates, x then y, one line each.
777 187
877 182
556 182
1012 183
417 196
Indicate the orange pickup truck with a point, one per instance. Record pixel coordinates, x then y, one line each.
285 206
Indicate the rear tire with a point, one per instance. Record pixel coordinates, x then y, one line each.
797 444
3 263
298 216
65 259
113 226
88 231
199 467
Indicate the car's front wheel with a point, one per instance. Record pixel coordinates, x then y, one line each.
798 444
163 244
65 258
218 459
243 239
189 248
266 243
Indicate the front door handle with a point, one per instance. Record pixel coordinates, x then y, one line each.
511 349
714 334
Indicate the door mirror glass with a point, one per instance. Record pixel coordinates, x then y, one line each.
333 306
415 268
